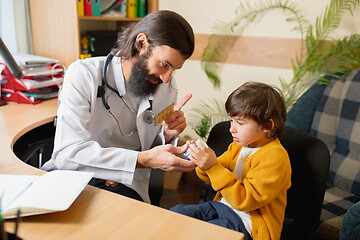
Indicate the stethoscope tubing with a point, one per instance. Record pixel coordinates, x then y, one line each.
148 117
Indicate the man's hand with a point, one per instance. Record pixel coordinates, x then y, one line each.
176 122
164 158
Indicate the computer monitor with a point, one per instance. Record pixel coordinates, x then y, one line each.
9 60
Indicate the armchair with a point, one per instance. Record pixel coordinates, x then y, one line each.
309 159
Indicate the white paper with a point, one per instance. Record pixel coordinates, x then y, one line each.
53 191
34 84
23 59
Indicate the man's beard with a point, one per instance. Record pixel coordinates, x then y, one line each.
139 82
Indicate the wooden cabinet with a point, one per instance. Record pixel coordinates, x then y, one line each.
57 28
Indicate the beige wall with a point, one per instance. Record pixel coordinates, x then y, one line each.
202 14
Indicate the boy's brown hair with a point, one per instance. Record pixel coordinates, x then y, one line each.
260 102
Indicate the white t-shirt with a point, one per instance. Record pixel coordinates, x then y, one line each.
245 216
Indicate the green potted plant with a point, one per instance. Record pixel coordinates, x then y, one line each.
321 52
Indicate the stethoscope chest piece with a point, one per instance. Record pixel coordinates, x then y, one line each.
148 117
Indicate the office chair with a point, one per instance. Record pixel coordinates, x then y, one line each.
35 147
350 225
310 161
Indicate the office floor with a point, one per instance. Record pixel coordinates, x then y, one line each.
186 193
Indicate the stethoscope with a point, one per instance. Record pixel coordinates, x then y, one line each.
148 115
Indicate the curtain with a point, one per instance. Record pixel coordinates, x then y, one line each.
15 30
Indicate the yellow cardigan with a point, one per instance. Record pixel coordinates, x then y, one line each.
266 176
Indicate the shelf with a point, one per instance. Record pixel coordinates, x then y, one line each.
57 34
120 19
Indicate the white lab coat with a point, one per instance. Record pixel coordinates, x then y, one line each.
88 137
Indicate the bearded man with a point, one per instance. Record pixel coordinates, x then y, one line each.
117 115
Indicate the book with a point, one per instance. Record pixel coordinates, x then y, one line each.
42 82
87 7
42 94
96 9
42 70
26 74
32 194
25 60
80 8
141 11
36 71
132 8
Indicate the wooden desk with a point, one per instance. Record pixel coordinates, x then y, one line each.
95 214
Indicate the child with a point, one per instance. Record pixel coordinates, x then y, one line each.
252 177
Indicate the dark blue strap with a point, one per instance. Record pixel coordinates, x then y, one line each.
106 64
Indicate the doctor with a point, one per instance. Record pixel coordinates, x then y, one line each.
107 105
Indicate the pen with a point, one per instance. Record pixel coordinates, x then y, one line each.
17 196
17 223
3 234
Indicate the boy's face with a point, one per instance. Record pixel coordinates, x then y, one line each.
247 132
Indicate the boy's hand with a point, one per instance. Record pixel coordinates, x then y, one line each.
204 157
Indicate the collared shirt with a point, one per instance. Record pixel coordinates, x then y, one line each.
87 136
